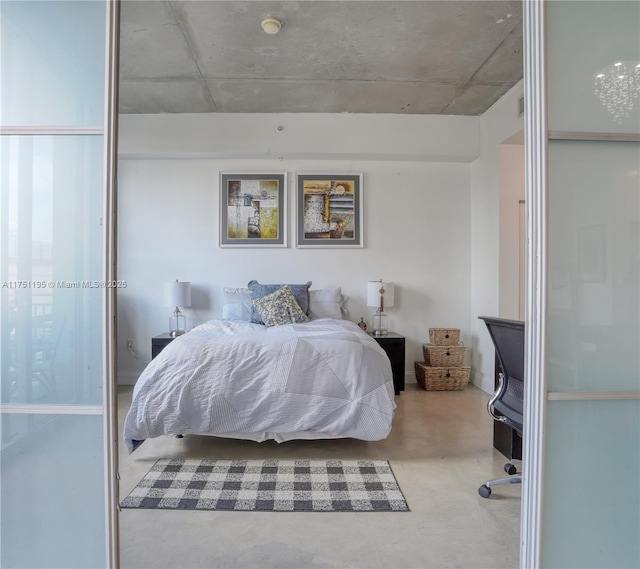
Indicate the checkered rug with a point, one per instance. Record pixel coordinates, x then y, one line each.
269 485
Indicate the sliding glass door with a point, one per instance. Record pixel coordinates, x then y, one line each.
56 119
582 457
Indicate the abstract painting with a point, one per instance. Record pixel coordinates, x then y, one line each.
329 210
253 210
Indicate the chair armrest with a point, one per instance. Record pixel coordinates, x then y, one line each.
502 386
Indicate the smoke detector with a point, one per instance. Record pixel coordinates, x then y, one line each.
271 25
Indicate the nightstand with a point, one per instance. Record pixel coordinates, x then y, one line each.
159 343
393 345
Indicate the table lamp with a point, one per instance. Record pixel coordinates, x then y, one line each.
177 294
380 294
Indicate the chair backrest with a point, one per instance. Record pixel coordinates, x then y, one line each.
508 339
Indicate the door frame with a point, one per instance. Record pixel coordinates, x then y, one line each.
109 355
535 117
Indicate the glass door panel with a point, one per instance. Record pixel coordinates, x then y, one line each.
593 337
52 61
51 270
56 462
42 474
587 39
592 489
591 498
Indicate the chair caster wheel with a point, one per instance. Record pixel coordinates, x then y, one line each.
484 491
510 469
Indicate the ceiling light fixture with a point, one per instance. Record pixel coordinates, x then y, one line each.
617 86
271 25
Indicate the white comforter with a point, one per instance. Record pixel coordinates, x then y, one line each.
321 379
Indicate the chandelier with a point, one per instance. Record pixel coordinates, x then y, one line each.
617 86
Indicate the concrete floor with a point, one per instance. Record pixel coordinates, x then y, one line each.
440 449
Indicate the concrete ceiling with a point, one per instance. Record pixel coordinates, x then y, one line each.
331 56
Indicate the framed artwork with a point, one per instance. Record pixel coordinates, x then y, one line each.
329 208
253 210
591 254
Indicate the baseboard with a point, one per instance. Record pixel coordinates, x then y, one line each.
478 381
410 377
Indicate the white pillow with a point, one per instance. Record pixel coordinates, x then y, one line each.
236 304
326 303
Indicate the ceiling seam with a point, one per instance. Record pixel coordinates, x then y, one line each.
469 81
193 57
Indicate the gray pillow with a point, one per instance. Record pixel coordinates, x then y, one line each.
300 292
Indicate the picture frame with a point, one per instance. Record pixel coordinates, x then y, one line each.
592 254
329 210
253 210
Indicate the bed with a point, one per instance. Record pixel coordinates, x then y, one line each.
321 377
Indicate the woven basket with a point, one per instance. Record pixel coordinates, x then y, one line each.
442 378
443 356
444 336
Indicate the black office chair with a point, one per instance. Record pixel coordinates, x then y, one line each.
507 402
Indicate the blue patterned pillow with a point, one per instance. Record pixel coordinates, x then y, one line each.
280 307
300 292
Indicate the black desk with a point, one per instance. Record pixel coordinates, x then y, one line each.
505 439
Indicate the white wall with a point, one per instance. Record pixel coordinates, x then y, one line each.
491 224
432 206
512 192
300 136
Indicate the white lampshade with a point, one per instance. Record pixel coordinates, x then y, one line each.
177 293
373 293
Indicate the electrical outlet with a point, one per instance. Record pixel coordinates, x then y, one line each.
131 348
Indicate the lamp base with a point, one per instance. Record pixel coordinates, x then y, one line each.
177 324
380 324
